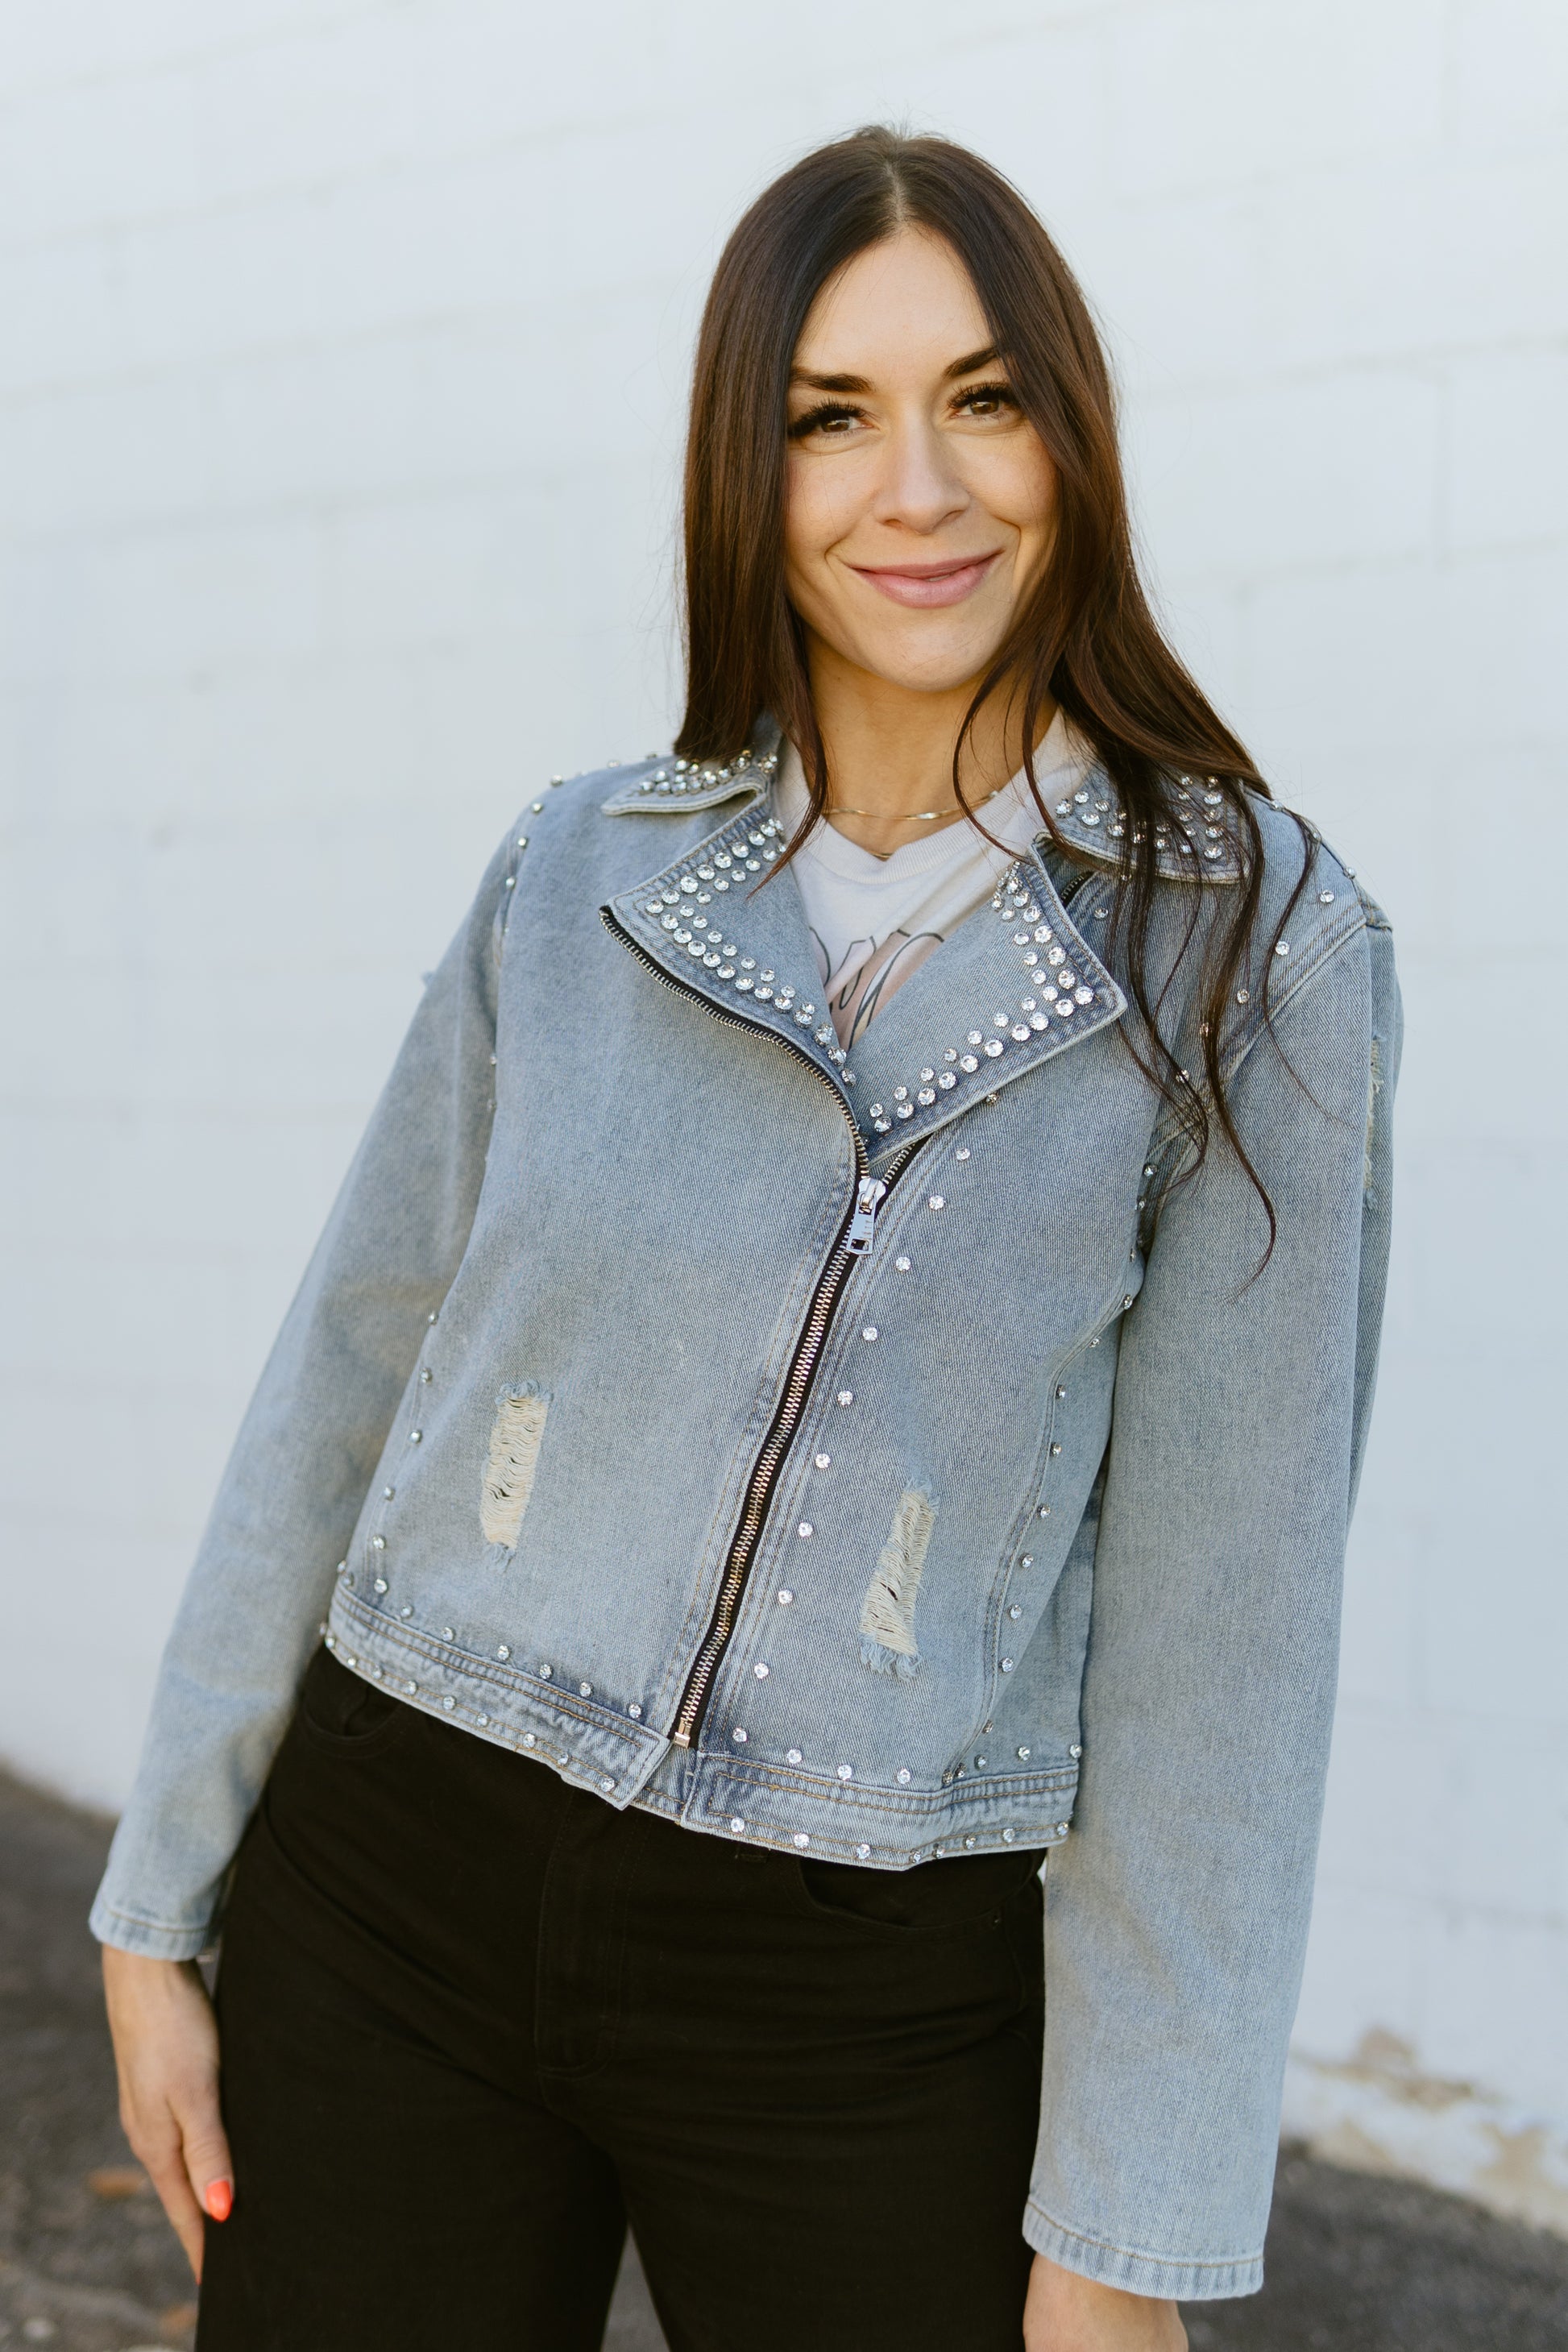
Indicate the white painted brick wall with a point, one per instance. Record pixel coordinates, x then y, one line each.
342 351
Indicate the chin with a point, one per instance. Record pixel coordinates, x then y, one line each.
929 669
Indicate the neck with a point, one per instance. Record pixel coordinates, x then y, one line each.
890 750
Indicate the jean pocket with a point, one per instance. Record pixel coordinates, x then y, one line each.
342 1713
932 1898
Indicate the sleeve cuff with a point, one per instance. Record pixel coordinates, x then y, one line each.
150 1938
1141 2273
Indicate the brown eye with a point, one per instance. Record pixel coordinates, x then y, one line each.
830 417
986 400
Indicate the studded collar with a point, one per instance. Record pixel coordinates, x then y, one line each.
685 786
1014 984
1197 843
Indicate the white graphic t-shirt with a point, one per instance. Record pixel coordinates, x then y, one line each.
874 920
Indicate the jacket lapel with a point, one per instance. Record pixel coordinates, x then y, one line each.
1014 984
704 923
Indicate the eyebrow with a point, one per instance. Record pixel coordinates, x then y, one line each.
966 366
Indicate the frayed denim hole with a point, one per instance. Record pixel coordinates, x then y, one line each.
515 1440
888 1642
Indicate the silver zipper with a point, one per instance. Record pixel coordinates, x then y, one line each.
854 1239
863 1224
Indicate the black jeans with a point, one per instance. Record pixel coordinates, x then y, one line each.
473 2021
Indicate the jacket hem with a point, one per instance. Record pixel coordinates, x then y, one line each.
124 1932
592 1746
1190 2280
583 1739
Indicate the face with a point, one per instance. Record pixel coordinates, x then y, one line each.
920 500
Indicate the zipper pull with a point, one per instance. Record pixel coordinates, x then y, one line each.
863 1224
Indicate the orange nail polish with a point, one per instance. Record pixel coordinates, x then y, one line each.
220 2200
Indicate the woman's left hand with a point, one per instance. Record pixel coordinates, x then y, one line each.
1067 2314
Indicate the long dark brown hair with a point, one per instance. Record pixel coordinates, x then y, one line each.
1087 637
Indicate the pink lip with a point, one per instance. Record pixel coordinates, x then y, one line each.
928 584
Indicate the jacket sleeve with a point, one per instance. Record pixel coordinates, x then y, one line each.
304 1457
1177 1911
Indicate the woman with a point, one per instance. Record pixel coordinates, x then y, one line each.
858 1300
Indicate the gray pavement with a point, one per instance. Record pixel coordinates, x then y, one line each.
87 2265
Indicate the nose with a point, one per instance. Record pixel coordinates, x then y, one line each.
920 489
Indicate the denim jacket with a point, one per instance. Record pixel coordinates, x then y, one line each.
884 1458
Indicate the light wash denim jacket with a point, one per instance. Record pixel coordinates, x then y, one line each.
624 1419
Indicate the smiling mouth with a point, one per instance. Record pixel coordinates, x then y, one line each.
946 581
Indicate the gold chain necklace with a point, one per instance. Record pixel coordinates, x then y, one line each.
917 816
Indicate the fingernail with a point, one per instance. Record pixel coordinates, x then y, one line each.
220 2200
